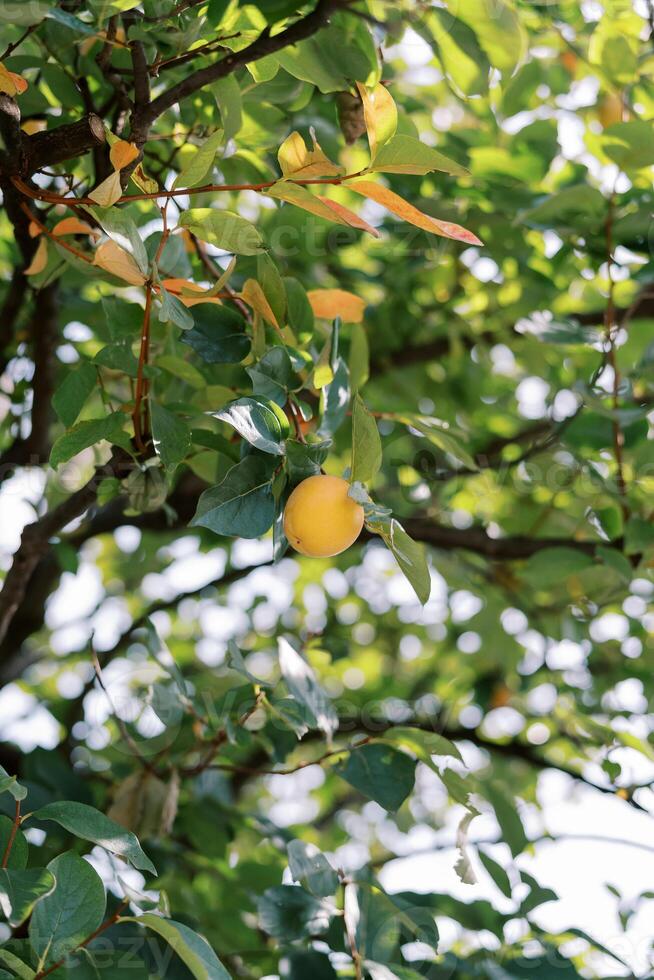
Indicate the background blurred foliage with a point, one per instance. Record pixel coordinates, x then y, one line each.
535 349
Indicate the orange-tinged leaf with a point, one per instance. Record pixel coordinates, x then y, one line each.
40 259
11 83
114 259
108 192
349 217
393 202
31 126
330 303
296 160
183 288
122 153
146 184
320 206
380 114
33 229
254 296
73 226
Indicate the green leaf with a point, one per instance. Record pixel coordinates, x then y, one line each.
422 744
459 52
16 965
630 144
71 912
335 399
9 784
310 867
193 950
69 398
16 12
298 965
409 554
552 566
228 96
21 890
200 167
303 685
304 459
272 285
181 369
639 536
499 31
497 873
288 912
261 423
329 61
18 853
89 824
537 896
366 444
118 225
300 313
568 208
86 434
380 773
273 376
513 833
105 964
172 438
219 335
359 359
223 229
442 435
407 155
242 505
172 310
54 13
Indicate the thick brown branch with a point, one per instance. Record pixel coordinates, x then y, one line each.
54 146
44 337
35 541
511 548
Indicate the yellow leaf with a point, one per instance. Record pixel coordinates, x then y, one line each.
146 184
296 160
183 288
380 114
114 259
321 206
108 192
11 83
254 297
349 217
33 229
393 202
40 259
73 226
330 303
122 153
31 126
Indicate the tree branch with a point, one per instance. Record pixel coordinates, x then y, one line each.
264 45
35 448
35 540
54 146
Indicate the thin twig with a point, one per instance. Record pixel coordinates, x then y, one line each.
12 47
144 351
37 194
119 721
112 920
12 836
609 332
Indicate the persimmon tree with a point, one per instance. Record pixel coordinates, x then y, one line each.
275 269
